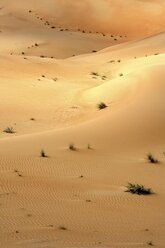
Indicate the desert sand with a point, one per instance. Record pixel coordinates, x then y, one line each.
58 61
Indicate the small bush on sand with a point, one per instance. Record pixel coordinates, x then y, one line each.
62 228
89 147
150 243
138 189
104 77
72 147
8 130
43 154
102 105
55 79
93 73
151 159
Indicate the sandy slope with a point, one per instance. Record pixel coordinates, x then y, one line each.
81 190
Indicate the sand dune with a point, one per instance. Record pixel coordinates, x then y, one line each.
72 199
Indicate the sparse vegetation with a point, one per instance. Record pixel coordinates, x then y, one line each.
138 189
151 159
121 75
104 77
150 243
102 105
61 227
43 154
8 130
72 147
29 215
93 73
54 79
89 147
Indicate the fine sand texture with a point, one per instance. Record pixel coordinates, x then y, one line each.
64 162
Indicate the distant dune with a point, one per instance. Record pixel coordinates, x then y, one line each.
137 17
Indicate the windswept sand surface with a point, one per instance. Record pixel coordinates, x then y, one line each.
56 64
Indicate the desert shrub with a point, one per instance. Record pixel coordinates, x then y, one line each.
43 154
8 130
89 147
102 105
150 243
121 75
151 159
54 79
103 77
94 73
72 147
94 51
62 228
138 189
